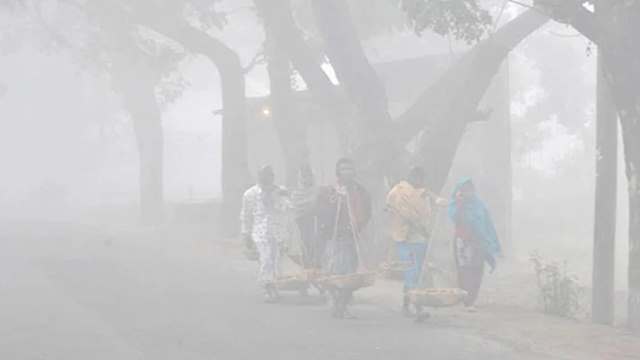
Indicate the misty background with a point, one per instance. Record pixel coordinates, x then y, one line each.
97 216
68 147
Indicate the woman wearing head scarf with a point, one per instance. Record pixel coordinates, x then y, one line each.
475 242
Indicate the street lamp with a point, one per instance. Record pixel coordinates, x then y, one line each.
266 111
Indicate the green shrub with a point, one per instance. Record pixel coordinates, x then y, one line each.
560 292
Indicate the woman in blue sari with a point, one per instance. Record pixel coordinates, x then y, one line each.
475 242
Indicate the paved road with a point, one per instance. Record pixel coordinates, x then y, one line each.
87 294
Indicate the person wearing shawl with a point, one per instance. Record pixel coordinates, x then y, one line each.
412 208
343 212
263 221
304 201
475 242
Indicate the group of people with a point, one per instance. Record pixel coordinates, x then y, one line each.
331 219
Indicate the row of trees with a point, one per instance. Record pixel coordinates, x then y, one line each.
117 42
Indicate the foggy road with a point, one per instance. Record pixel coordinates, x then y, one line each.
84 294
474 134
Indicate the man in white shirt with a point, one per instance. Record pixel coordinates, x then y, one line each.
263 221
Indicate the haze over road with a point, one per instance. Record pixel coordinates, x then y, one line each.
70 292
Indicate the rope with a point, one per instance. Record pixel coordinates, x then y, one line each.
356 233
430 242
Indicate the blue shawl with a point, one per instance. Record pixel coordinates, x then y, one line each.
476 216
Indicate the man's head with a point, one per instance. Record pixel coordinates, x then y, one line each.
346 171
416 176
266 176
305 176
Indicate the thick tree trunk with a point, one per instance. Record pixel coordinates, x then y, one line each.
604 234
136 83
292 141
633 176
630 125
605 211
149 136
277 15
355 73
371 119
235 172
368 133
135 78
235 167
621 55
628 95
291 130
632 155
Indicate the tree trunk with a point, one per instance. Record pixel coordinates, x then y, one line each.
371 120
235 172
621 54
136 82
367 134
235 166
278 14
630 125
135 78
605 205
354 72
291 131
632 154
149 136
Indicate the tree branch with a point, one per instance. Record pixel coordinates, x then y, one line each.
435 101
575 14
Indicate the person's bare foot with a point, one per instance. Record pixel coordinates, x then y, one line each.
471 309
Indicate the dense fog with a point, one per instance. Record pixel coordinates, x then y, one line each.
137 141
